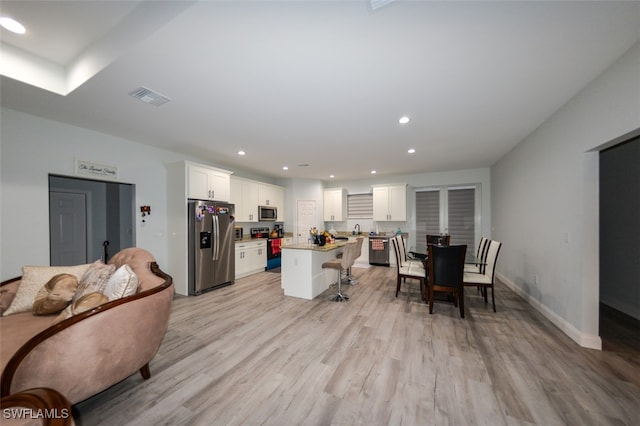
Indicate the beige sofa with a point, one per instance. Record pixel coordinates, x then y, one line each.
93 350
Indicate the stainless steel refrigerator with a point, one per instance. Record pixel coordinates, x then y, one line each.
211 245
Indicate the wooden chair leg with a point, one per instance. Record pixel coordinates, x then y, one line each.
430 300
493 299
398 286
460 294
145 372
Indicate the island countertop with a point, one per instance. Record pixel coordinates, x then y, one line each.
314 247
302 274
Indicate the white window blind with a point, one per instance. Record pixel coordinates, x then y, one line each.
461 216
449 210
427 217
360 206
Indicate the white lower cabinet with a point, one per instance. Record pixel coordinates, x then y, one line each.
251 257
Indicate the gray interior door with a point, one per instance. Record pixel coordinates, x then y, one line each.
68 228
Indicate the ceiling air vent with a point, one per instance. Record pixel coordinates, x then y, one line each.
149 96
377 4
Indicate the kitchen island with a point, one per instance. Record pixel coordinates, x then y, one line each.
302 274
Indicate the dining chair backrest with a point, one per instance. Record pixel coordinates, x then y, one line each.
492 258
439 240
396 250
446 265
402 245
401 249
401 259
481 255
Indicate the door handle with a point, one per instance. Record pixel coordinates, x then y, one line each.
216 237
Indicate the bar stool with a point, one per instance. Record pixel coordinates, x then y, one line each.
358 252
342 264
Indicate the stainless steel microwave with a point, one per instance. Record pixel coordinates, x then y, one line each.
267 213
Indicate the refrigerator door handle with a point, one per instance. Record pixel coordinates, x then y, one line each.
216 237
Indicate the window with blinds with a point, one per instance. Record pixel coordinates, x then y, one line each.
449 210
427 217
461 216
360 206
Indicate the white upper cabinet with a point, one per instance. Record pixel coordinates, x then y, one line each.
335 204
207 183
270 195
390 203
248 194
244 194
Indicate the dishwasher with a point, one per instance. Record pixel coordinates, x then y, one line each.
379 250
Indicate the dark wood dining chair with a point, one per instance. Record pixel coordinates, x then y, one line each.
439 240
446 273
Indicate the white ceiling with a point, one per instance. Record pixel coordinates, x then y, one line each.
308 82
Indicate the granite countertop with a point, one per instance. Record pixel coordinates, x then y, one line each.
313 247
366 234
248 239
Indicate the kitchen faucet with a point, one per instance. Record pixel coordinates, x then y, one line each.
357 227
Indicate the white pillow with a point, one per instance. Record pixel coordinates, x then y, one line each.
94 279
123 283
33 278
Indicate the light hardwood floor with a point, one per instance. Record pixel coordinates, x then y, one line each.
247 355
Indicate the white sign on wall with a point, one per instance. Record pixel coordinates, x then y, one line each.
86 168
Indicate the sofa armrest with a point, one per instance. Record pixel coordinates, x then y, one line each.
91 351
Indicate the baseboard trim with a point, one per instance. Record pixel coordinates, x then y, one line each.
585 340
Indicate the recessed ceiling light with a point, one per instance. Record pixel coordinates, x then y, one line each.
285 168
12 25
411 151
404 120
373 172
241 152
331 176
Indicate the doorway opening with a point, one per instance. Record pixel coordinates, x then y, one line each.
89 219
305 219
619 184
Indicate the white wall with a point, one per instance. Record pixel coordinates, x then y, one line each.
545 200
301 189
32 148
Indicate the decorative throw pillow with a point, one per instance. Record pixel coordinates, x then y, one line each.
94 279
55 295
7 293
84 303
123 282
33 278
